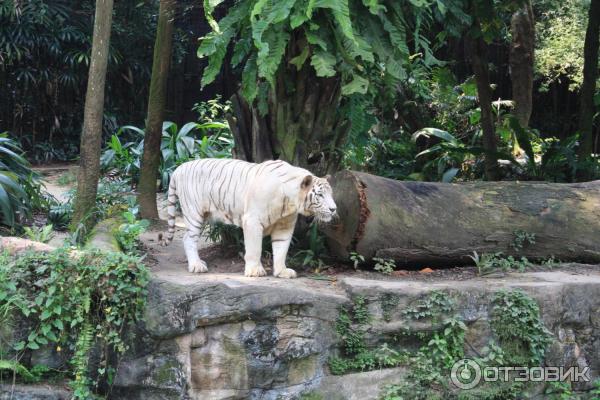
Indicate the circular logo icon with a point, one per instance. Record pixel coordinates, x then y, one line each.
465 374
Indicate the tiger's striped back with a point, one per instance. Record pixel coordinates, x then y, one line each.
216 189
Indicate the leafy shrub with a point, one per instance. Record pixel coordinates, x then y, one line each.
492 262
59 214
517 323
73 301
43 234
384 266
66 179
124 157
128 233
208 138
19 186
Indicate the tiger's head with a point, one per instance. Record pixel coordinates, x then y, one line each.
319 198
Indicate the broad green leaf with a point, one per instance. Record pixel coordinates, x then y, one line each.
249 79
434 132
523 138
8 216
315 39
219 40
169 126
242 48
357 85
269 34
213 125
374 6
341 14
298 14
300 59
209 7
186 129
323 63
449 175
276 39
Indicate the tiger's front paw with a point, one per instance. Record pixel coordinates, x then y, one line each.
287 273
197 267
255 271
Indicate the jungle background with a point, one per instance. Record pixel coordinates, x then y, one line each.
408 107
115 96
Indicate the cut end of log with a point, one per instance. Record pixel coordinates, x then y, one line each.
364 213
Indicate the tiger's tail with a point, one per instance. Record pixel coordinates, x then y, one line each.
172 199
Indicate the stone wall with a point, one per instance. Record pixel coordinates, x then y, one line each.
229 337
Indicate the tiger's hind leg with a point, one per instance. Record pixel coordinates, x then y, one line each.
190 245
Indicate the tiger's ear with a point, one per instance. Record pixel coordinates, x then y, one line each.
306 182
327 178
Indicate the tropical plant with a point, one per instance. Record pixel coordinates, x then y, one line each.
128 233
450 154
19 186
181 145
293 53
43 234
44 57
124 157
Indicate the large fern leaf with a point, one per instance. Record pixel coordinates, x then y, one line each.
209 7
323 63
250 79
276 39
357 85
265 14
214 45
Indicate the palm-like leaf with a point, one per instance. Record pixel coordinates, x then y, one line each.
16 179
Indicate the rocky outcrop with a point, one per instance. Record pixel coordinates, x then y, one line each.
226 337
223 336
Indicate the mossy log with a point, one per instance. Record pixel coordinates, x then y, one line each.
419 223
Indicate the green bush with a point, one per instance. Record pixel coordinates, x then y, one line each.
19 185
72 302
128 233
208 138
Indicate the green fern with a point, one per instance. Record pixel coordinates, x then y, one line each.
356 40
323 62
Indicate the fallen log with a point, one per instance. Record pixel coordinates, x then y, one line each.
423 223
15 245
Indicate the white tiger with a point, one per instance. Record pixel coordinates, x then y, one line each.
264 199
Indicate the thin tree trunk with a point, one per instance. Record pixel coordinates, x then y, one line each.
156 110
521 62
91 136
590 74
479 63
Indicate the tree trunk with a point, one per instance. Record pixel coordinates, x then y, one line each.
479 63
156 109
91 136
521 62
418 223
302 125
590 74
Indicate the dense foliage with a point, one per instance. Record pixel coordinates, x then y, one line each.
44 59
19 185
208 137
357 40
70 303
